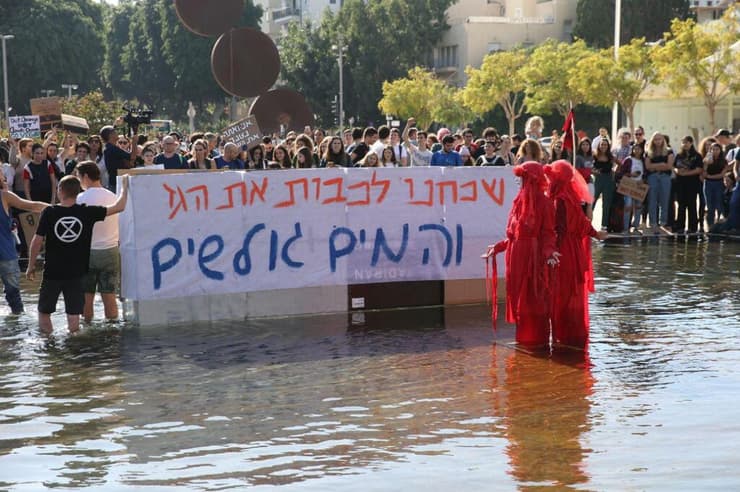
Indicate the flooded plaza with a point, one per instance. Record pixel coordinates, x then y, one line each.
422 399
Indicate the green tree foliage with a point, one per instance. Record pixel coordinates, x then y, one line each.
94 108
702 60
640 19
497 82
384 39
55 43
549 74
622 80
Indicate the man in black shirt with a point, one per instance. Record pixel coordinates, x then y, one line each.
115 157
67 230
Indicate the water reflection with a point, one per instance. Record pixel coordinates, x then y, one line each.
544 402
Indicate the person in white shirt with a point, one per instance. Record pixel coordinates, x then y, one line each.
384 134
420 155
402 156
105 260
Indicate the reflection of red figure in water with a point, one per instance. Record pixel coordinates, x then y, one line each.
529 246
544 405
574 277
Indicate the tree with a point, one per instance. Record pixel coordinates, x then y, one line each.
94 108
702 58
595 20
622 80
497 82
549 74
55 43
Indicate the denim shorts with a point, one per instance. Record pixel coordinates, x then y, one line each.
104 271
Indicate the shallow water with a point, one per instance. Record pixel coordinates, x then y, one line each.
400 400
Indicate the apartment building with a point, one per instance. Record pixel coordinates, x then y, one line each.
479 27
278 14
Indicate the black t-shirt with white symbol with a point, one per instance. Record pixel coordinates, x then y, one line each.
68 233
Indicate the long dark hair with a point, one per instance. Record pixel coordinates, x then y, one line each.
692 150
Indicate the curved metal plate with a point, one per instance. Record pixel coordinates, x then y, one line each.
209 17
245 62
281 107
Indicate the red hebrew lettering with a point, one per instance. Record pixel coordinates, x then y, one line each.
474 195
181 204
490 190
430 196
258 190
385 183
291 186
360 184
230 193
338 197
204 190
447 184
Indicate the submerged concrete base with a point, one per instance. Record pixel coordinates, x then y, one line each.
283 302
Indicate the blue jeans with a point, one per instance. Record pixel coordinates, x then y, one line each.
659 195
628 202
713 193
10 273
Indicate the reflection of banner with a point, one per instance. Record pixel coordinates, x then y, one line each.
211 233
24 126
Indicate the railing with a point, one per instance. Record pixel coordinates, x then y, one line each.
285 12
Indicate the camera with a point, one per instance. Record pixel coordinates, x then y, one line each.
135 117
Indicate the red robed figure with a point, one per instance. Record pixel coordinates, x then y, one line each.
574 278
529 244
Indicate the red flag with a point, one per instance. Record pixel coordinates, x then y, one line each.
568 129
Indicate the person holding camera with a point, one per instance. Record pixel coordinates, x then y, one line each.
115 157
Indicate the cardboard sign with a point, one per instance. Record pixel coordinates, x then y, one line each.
634 189
25 126
243 133
29 223
49 110
75 124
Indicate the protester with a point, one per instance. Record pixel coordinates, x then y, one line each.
82 153
659 167
489 157
39 177
530 247
446 156
530 151
200 159
170 157
604 187
230 158
104 270
388 157
335 156
383 140
369 137
370 160
281 158
715 167
402 157
633 168
66 231
504 149
574 274
115 158
688 169
418 151
9 269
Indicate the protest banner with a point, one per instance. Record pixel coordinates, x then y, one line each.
75 124
29 223
24 126
196 234
244 133
49 111
633 188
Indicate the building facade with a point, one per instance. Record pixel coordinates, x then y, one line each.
479 27
278 14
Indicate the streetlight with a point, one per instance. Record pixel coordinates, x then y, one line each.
47 92
617 25
5 37
340 49
70 88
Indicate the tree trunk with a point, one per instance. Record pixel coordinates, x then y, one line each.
711 107
630 110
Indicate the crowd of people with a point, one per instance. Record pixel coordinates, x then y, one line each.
692 187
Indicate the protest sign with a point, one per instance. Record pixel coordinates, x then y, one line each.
75 124
243 132
29 223
49 110
197 234
24 126
633 188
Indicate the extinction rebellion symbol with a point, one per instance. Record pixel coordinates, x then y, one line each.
68 229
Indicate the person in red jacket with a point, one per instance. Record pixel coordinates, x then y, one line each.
574 277
530 248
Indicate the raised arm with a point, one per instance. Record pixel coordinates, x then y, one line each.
120 203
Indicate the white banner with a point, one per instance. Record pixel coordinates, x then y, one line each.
234 231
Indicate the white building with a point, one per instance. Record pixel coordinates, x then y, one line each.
479 27
278 14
